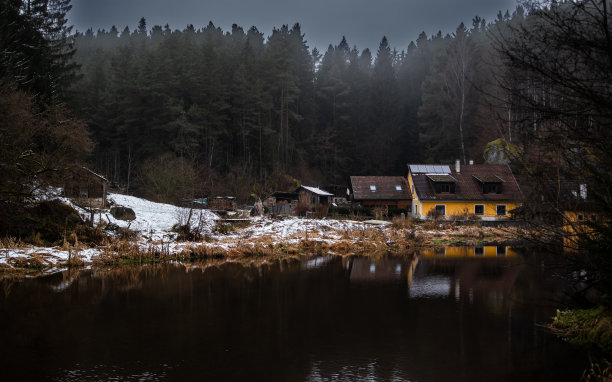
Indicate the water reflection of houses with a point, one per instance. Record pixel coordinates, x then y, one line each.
463 272
383 269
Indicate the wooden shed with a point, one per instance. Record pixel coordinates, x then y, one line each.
279 202
313 200
87 188
222 203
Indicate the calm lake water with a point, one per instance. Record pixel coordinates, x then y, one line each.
454 314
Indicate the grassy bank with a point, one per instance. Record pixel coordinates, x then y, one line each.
591 329
259 238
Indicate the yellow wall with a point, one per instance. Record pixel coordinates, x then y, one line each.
456 208
411 187
459 208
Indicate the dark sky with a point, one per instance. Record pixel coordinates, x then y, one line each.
363 22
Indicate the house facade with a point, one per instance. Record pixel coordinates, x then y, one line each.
486 192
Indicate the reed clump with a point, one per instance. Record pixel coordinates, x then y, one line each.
403 223
10 242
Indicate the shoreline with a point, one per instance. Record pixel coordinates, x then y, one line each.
262 238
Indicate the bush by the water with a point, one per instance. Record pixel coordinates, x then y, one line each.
45 223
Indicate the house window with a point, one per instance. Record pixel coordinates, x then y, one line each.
491 188
593 217
373 188
478 209
580 217
83 191
445 188
501 210
398 188
440 210
501 251
478 251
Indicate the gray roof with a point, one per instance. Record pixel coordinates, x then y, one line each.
442 178
317 191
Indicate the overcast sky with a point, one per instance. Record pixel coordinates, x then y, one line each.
324 22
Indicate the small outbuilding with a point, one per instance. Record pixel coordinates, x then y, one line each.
87 188
222 203
313 200
278 203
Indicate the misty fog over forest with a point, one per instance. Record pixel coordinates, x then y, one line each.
235 108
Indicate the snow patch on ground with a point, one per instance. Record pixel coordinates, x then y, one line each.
155 220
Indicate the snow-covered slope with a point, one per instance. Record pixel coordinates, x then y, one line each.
155 220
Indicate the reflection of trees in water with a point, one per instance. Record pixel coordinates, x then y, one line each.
6 283
215 317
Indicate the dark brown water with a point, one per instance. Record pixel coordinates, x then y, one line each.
440 317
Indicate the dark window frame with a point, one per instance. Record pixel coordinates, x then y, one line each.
491 188
476 212
444 188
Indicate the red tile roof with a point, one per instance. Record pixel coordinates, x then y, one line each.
468 187
386 188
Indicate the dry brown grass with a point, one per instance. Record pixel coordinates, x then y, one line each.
12 243
407 223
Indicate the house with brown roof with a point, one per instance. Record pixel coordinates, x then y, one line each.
381 191
486 192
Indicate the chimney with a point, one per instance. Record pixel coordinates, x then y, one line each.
457 166
471 162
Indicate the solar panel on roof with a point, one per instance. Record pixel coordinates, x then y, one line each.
433 169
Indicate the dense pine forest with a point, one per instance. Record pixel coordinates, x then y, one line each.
202 110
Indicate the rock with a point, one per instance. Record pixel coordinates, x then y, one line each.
123 213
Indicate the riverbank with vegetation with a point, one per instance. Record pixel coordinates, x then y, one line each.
255 237
163 232
592 330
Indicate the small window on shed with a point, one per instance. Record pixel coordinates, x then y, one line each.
398 188
580 217
479 209
440 210
373 188
501 210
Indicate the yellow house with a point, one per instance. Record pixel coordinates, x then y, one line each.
486 192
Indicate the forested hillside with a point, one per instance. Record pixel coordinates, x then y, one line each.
202 110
